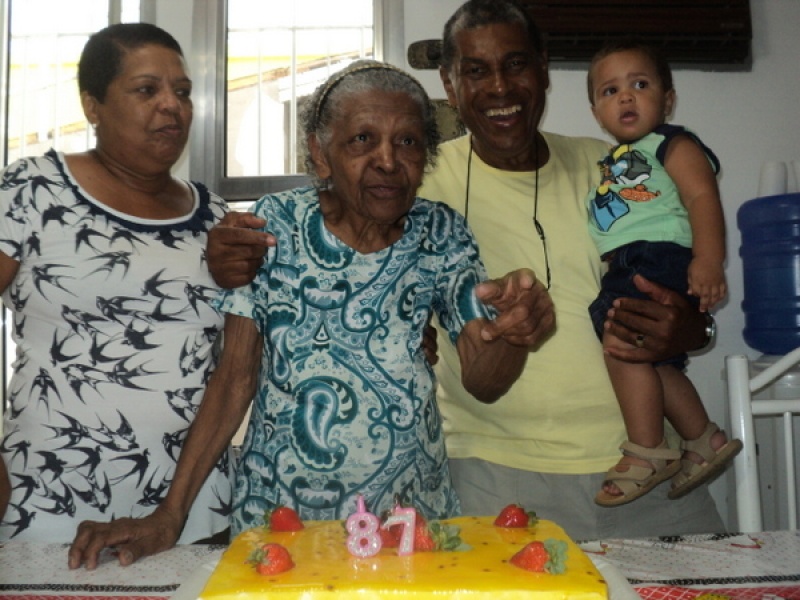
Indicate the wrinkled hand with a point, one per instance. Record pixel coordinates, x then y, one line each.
525 310
236 249
669 324
131 539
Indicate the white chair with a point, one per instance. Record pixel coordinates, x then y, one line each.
741 388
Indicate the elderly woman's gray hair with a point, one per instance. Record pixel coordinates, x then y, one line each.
323 108
478 13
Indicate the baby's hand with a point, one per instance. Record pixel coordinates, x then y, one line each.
707 282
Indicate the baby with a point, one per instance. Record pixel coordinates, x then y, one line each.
656 212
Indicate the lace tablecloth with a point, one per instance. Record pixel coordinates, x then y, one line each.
759 566
35 571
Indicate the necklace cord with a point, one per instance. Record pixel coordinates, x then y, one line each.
536 223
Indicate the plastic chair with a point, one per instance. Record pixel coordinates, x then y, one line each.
741 388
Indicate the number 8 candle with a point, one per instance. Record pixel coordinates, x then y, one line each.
364 539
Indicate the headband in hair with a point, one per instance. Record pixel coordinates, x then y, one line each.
334 81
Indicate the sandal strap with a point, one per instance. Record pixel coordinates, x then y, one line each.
661 452
702 445
633 473
629 481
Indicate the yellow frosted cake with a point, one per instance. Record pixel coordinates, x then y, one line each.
324 569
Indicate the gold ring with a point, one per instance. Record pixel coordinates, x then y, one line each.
640 341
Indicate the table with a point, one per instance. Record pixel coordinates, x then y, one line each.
36 571
761 566
756 566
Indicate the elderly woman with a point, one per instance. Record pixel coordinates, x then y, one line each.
328 338
102 265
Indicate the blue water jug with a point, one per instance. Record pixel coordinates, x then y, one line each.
770 252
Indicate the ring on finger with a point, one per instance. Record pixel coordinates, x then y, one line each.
640 340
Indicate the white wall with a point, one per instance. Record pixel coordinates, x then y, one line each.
745 117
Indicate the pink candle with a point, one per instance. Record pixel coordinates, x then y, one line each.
364 539
407 517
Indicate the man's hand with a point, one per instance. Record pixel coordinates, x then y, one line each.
131 539
236 249
525 310
669 324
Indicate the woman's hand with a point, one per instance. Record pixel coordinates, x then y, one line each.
227 397
131 539
236 249
668 323
526 315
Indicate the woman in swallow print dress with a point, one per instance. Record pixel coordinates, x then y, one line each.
115 329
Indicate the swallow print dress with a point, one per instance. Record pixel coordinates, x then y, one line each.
114 325
346 400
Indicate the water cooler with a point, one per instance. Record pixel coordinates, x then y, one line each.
770 252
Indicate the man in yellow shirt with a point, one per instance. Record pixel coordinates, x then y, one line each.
548 441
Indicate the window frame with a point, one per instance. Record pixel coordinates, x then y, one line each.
208 68
147 13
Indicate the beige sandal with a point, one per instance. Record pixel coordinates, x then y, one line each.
636 481
692 474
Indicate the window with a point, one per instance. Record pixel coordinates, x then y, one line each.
260 64
40 102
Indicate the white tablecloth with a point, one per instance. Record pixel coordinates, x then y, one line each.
34 571
759 566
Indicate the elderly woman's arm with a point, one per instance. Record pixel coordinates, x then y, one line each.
493 353
230 390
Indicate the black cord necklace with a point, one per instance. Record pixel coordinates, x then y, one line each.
536 223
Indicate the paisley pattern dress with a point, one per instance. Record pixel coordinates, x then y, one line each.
346 403
114 323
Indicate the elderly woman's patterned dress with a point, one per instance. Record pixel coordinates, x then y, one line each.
346 402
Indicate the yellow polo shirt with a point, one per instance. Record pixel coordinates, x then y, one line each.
561 416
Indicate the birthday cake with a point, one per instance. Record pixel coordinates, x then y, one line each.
321 567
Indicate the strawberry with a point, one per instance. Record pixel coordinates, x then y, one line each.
433 536
390 536
423 540
532 557
282 518
514 515
549 556
270 559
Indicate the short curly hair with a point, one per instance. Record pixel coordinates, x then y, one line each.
101 58
477 13
631 44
